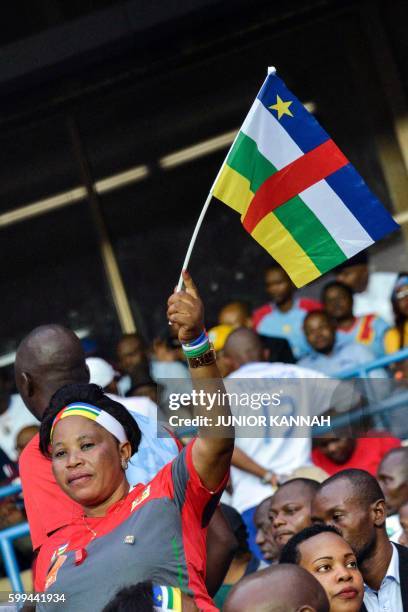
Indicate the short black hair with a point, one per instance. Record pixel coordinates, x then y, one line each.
365 486
317 311
401 450
307 483
338 285
135 598
91 394
290 552
360 259
274 265
140 377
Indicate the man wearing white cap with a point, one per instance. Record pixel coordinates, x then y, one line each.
102 373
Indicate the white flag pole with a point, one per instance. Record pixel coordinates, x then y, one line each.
200 221
271 70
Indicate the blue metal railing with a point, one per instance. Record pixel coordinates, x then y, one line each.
7 537
378 408
362 370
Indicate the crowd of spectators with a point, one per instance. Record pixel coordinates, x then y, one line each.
127 514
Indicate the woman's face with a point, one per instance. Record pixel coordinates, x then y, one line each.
86 460
332 562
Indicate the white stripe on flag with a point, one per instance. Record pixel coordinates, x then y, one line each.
272 139
331 211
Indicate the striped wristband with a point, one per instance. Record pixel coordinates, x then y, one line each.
197 347
198 340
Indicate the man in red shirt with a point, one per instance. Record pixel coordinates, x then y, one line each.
336 454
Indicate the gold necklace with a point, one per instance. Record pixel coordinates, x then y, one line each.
92 531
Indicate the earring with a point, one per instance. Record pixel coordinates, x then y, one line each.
124 464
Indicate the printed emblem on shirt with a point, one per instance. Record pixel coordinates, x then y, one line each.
58 552
53 573
141 498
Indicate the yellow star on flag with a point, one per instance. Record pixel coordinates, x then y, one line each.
282 107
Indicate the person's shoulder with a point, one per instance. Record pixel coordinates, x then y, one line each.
277 370
137 406
309 304
359 353
169 369
307 362
20 413
31 451
381 283
382 438
260 369
372 319
392 340
392 335
300 371
402 554
261 312
32 464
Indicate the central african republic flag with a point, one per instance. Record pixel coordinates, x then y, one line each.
297 193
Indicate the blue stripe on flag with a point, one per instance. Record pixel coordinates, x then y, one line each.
302 127
363 204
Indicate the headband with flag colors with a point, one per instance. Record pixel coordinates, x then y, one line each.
166 598
94 413
297 193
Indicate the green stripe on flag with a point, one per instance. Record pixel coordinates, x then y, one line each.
310 234
249 162
170 601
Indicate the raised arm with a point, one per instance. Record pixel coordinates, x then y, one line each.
213 449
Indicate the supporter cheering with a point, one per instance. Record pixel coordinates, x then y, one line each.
353 502
326 555
290 509
393 479
283 317
263 527
334 454
50 357
372 291
90 439
328 355
281 588
367 330
396 338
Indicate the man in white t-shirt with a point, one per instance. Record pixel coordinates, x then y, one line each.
260 461
372 291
